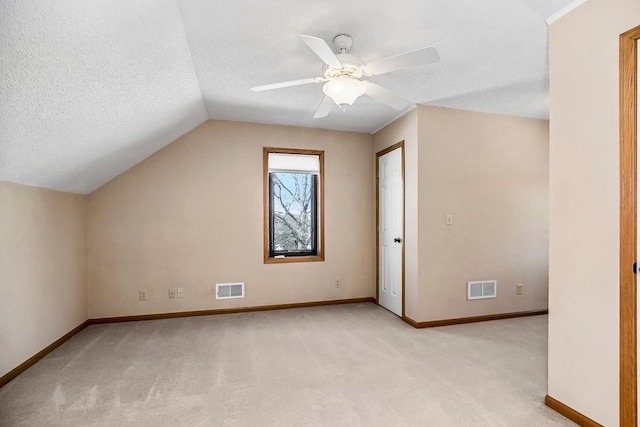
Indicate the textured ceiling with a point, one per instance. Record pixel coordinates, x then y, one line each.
90 88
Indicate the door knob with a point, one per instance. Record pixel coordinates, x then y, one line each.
397 240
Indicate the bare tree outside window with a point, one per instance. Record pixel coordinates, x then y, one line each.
293 212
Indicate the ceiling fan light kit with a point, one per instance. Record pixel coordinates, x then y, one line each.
343 72
344 90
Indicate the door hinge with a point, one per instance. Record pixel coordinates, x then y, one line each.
635 268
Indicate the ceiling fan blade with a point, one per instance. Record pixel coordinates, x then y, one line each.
322 49
415 58
324 108
287 84
385 96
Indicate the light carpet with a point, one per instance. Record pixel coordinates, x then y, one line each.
347 365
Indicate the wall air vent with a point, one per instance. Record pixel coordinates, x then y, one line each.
229 290
483 289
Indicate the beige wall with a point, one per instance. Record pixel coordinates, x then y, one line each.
191 216
405 129
42 269
491 173
584 206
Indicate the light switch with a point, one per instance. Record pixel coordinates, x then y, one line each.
449 219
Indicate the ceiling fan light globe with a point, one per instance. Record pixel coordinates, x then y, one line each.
344 91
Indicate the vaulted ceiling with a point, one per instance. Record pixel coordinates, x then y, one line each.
90 88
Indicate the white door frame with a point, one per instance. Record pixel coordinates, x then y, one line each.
378 155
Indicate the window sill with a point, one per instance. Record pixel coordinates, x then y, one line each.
310 258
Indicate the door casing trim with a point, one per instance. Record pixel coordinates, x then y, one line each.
628 225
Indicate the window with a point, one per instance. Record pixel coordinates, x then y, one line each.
294 205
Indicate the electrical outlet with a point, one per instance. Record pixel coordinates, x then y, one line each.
180 293
337 283
519 289
172 292
142 294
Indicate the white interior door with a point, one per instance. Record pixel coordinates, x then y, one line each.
390 230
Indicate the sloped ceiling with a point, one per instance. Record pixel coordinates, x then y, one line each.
90 88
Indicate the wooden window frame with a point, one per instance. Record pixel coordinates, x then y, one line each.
268 259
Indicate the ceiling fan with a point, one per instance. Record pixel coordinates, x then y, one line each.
343 74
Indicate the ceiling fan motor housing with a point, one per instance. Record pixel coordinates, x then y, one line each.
351 66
